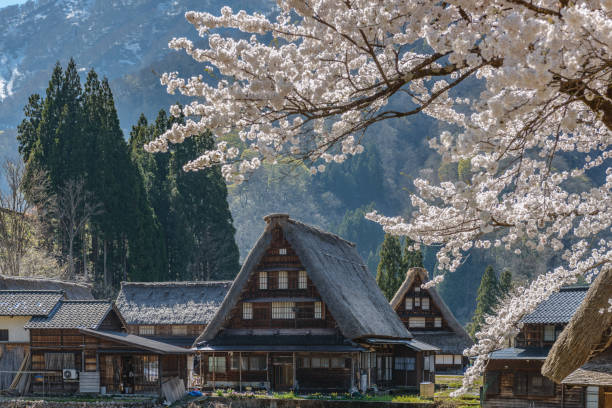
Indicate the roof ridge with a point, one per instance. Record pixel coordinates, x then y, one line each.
109 301
177 283
574 288
45 279
57 291
321 232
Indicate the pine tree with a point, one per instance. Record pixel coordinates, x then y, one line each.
411 259
487 299
390 271
505 283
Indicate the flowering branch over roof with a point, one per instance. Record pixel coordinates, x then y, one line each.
329 74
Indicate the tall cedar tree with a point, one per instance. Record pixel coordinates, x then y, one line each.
73 133
192 207
394 263
487 299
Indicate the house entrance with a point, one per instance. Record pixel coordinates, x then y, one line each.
282 373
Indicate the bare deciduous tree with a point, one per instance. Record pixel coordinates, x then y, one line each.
75 207
18 223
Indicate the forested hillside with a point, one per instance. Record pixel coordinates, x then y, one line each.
126 41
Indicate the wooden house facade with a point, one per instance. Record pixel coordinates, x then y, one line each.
83 347
513 377
581 358
305 314
171 312
430 320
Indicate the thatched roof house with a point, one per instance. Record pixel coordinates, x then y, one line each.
338 272
581 355
450 337
71 290
167 303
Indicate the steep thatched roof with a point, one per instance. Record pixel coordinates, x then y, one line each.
73 291
449 342
170 302
339 274
587 334
597 371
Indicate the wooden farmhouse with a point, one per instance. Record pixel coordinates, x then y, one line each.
83 346
20 299
428 318
581 359
513 377
304 313
171 312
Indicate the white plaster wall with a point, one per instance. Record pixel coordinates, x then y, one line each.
17 334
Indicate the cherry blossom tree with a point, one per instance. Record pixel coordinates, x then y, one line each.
331 69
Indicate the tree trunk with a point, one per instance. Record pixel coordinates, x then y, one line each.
70 257
104 268
84 257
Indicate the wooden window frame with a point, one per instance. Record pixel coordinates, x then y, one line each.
282 281
247 311
217 364
283 310
4 335
146 330
437 322
263 281
179 330
408 303
425 303
415 319
302 280
318 311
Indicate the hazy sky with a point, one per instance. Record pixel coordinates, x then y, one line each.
4 3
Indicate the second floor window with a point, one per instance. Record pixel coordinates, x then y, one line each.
417 302
408 304
283 310
283 280
416 322
247 311
318 310
263 280
146 330
179 330
425 303
302 280
549 333
438 322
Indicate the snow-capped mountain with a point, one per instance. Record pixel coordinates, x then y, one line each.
125 40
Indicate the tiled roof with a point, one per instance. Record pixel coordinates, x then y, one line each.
28 302
559 307
529 353
73 314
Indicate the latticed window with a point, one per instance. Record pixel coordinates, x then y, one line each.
458 359
263 280
247 311
408 303
405 363
416 322
146 330
438 322
302 280
549 333
282 251
258 363
283 310
216 364
417 302
283 280
318 310
425 303
146 368
179 330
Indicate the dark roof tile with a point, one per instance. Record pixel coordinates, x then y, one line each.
28 302
73 314
559 307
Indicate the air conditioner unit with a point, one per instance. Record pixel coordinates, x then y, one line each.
70 374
